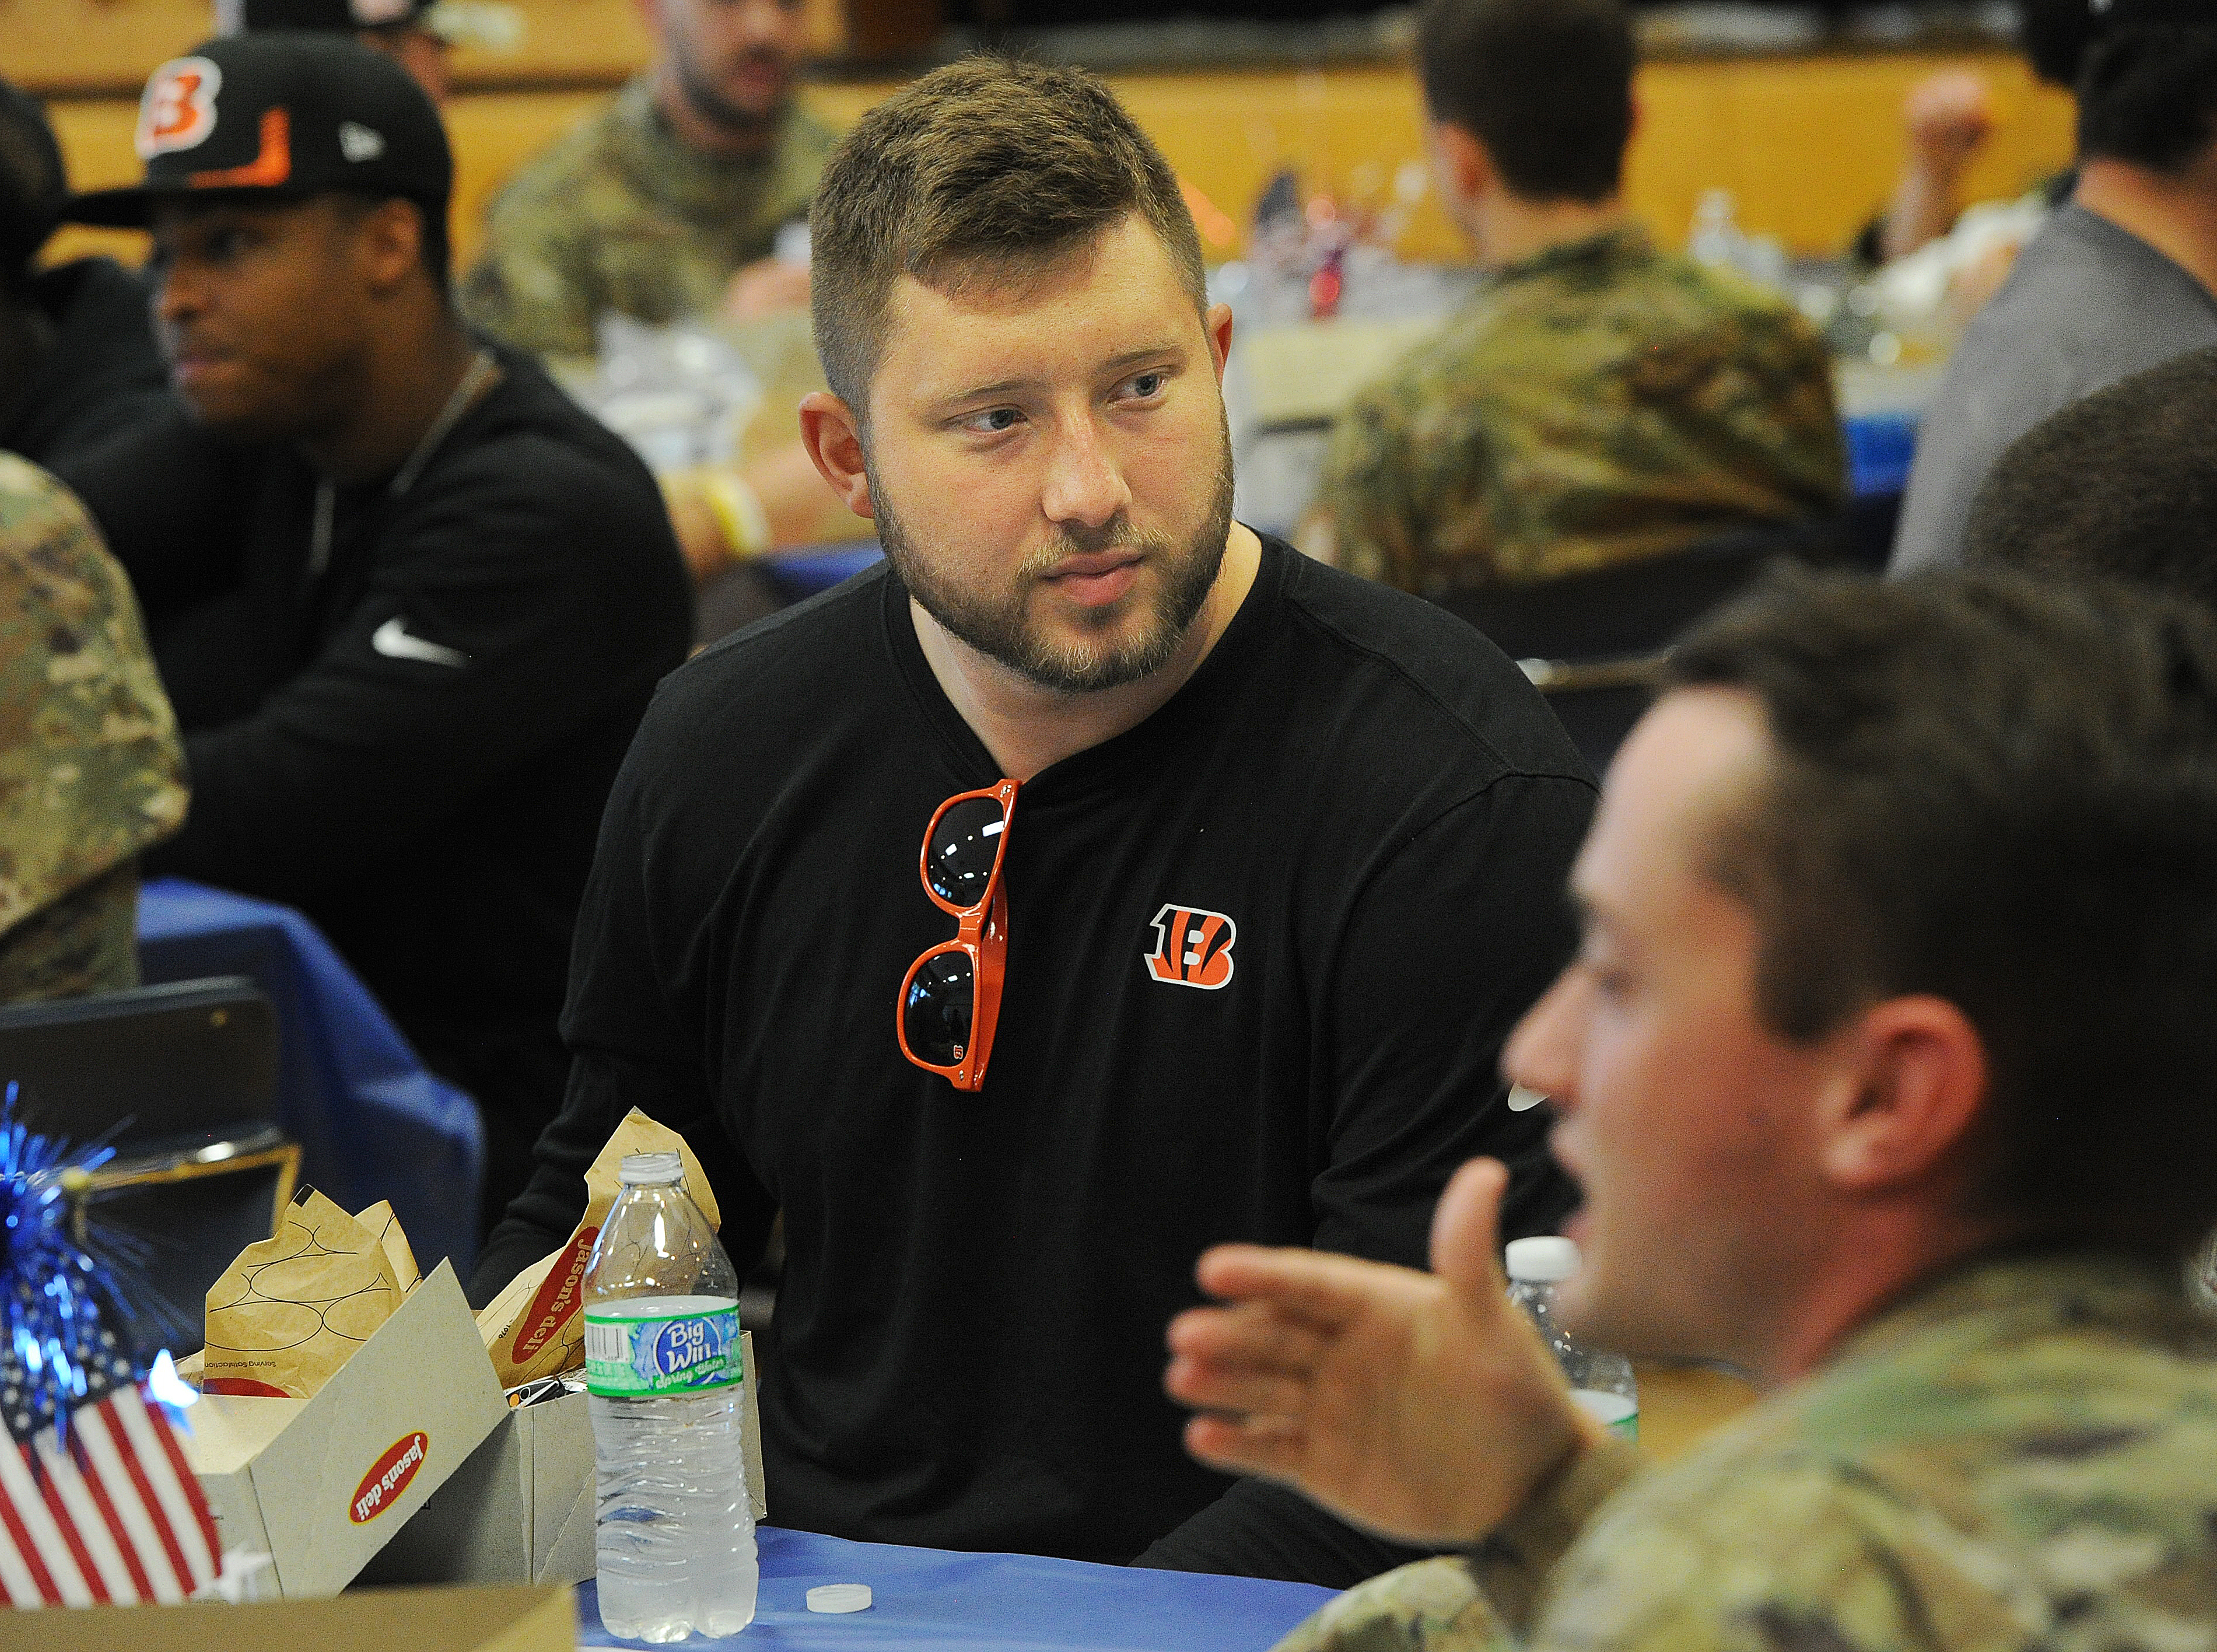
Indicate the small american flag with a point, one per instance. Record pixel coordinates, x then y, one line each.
113 1515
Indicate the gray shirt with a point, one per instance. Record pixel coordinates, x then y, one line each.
2088 304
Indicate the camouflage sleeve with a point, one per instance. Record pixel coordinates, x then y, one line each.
1365 505
1486 1602
91 769
86 942
532 287
1807 450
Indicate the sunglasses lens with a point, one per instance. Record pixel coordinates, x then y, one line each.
941 1001
963 845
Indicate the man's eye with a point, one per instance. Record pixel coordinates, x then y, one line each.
992 421
1147 385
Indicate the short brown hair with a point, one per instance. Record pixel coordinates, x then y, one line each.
2001 791
984 165
1545 85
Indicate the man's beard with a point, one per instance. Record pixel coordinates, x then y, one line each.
735 120
998 625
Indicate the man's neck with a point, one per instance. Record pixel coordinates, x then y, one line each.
1028 729
2176 214
1874 1266
409 387
1507 229
701 133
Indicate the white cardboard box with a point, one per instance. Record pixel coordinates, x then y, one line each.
322 1484
521 1510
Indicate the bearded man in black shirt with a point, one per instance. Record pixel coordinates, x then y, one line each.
408 600
1250 865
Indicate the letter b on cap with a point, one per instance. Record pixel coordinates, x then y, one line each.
178 109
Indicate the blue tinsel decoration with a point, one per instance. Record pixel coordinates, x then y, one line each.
53 1285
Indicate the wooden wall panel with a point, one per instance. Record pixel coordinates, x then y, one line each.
1809 147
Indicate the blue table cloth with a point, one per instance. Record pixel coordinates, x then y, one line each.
803 573
1880 447
372 1122
993 1603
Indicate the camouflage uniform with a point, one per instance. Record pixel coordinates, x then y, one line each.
91 771
620 214
1596 403
2023 1455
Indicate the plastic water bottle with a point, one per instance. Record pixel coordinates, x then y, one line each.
1601 1382
674 1534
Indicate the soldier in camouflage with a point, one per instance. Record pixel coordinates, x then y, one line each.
92 770
1885 1069
1598 400
665 205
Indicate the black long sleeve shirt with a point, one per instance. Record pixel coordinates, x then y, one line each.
414 744
968 1345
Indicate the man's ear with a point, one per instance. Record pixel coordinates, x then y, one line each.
833 437
1907 1098
1217 324
1461 167
392 234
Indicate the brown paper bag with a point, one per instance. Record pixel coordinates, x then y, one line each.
536 1327
291 1309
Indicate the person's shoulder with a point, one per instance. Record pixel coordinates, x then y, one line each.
789 679
562 179
1409 674
34 503
531 434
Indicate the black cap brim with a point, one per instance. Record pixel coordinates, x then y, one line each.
133 207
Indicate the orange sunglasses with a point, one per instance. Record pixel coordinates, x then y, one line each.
951 997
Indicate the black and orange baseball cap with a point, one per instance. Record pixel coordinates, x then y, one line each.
282 115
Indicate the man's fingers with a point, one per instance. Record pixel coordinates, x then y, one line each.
1314 1287
1466 1231
1266 1445
1232 1389
1249 1334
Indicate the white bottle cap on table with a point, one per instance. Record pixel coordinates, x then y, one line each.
839 1597
1542 1259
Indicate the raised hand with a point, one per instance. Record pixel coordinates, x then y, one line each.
1422 1406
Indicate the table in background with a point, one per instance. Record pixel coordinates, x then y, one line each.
372 1122
995 1603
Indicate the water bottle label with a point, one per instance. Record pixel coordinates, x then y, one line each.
636 1358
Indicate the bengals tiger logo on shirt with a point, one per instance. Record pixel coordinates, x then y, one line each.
178 111
1192 948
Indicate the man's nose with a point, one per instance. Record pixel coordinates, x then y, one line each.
176 296
1541 1055
1084 486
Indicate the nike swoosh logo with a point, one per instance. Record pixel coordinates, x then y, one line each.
392 640
1523 1100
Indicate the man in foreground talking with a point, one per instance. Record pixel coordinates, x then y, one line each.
1886 1067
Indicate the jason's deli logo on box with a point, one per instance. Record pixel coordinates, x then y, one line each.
388 1477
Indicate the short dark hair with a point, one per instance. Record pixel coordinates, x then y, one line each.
2053 35
986 166
33 184
2148 95
1545 85
2122 483
2003 791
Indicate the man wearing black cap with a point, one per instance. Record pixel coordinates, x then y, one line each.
2120 279
416 34
409 601
78 361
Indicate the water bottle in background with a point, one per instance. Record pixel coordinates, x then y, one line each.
1601 1382
674 1534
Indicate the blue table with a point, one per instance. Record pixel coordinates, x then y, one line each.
803 573
994 1603
372 1122
1880 447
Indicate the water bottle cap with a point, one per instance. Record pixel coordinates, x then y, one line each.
1542 1260
650 1170
839 1597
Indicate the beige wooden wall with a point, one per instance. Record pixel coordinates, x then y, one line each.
1809 146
